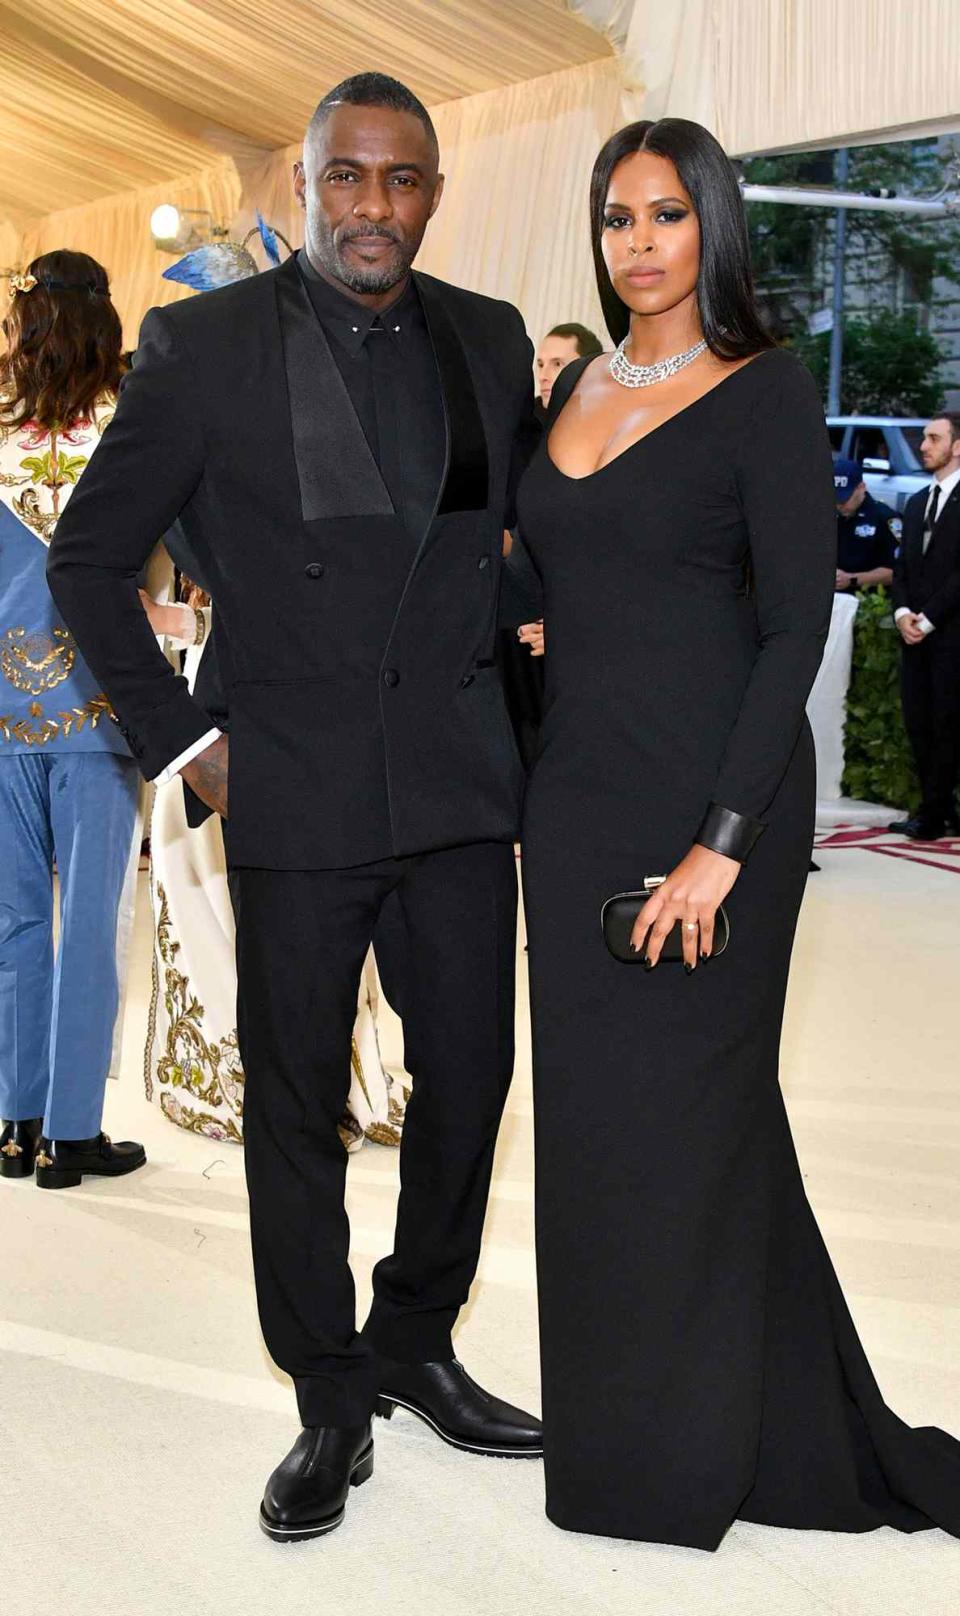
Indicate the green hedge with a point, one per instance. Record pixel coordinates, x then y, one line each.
878 760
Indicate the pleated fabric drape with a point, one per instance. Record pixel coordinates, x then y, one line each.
812 72
770 74
99 96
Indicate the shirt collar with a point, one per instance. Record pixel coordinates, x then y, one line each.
350 321
946 488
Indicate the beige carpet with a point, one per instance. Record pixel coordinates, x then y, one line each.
141 1416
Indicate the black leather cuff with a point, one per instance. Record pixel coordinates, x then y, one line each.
735 835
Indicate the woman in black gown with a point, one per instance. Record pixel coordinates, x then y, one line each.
699 1362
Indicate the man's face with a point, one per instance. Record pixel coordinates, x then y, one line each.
368 183
939 448
552 354
850 506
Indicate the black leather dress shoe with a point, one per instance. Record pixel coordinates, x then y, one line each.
460 1411
18 1147
918 829
62 1163
307 1494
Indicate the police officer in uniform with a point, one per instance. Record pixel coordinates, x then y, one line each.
868 531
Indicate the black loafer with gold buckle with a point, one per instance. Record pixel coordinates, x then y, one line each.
18 1147
62 1163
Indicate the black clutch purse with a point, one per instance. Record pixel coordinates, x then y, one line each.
618 917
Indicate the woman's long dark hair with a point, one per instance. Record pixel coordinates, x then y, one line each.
725 296
64 343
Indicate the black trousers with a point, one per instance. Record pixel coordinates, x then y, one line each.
930 682
302 937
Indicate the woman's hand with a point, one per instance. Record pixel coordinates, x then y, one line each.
532 634
174 621
691 894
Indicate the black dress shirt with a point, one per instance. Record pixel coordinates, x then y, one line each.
389 368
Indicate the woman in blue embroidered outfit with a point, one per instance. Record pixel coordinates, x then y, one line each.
68 787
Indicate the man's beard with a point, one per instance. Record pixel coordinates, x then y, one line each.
381 277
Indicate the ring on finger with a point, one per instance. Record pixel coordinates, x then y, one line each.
690 925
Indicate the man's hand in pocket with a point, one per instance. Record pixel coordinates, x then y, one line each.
206 774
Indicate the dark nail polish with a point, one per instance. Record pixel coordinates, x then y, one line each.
688 968
633 948
647 963
704 956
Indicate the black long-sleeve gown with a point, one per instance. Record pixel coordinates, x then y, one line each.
699 1362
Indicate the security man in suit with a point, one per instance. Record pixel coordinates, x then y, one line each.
868 531
926 595
356 431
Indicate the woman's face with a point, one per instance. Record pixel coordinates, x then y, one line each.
651 235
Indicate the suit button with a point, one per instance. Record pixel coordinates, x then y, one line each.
483 562
466 681
315 569
391 678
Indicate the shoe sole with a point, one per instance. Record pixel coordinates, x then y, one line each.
384 1411
361 1472
67 1178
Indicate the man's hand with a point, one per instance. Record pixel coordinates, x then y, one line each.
206 774
532 634
844 579
909 626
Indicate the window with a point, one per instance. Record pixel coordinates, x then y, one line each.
912 437
870 443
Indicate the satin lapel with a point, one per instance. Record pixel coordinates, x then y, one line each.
466 468
337 473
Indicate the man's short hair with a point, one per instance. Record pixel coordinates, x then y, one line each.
374 90
587 343
952 418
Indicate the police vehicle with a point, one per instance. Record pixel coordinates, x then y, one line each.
888 448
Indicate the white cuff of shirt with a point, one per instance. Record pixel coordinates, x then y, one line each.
189 635
925 625
186 757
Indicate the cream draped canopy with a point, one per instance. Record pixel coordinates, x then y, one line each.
100 96
109 107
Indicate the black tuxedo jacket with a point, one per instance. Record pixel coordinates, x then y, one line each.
357 671
929 583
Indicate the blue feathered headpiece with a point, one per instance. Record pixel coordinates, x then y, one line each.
218 263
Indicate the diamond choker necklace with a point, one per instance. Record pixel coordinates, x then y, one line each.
629 375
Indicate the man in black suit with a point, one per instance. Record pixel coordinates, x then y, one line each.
926 597
339 441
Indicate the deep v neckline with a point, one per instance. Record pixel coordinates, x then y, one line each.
645 436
